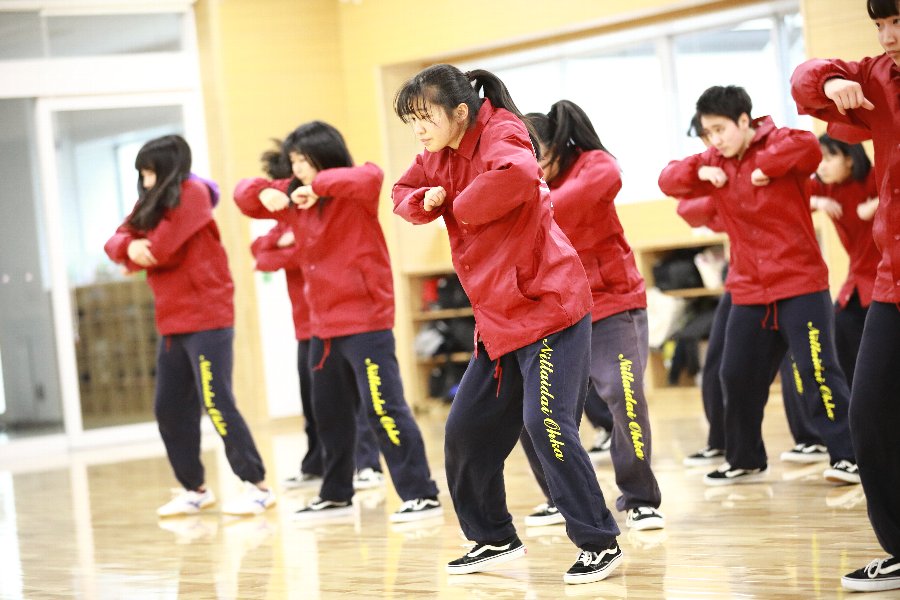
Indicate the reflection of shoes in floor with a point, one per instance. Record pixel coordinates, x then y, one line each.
601 590
190 529
247 533
186 502
845 496
547 534
802 472
369 499
417 530
491 585
732 496
805 453
302 480
368 478
646 539
544 514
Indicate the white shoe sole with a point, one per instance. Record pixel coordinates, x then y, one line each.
805 459
485 564
431 513
835 476
871 585
323 515
743 479
703 462
542 521
646 524
592 577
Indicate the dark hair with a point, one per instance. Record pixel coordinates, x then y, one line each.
275 162
446 86
857 154
695 129
170 158
726 101
322 145
883 9
565 132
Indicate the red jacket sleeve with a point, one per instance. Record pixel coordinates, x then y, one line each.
807 88
849 133
179 224
246 196
790 150
679 178
352 183
117 247
872 184
700 212
599 179
269 256
510 178
409 193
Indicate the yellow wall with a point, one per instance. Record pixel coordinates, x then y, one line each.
269 65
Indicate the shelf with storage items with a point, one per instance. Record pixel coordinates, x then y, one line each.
428 311
648 257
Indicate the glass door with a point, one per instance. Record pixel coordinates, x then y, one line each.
105 319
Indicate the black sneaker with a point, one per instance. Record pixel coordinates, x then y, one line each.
877 576
594 566
302 480
642 518
805 453
544 514
487 554
725 475
323 509
417 509
707 456
843 471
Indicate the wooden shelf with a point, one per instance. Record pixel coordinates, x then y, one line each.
695 292
441 359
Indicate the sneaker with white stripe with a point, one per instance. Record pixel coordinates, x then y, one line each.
877 576
594 566
186 502
843 471
319 509
725 475
544 514
417 509
706 456
487 554
642 518
805 453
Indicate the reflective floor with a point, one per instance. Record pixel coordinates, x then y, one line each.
86 528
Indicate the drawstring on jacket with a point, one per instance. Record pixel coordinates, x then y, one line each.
498 370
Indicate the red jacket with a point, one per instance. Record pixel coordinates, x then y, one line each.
700 212
583 206
774 251
855 235
269 258
191 283
880 81
521 274
342 252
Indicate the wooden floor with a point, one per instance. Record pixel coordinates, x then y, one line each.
87 529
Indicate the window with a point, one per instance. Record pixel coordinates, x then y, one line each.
639 86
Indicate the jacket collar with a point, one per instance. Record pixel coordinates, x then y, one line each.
470 139
763 126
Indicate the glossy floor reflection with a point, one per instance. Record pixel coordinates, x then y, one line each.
86 528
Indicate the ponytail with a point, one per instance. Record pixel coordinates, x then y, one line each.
565 132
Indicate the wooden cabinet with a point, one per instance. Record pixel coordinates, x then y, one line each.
424 311
649 255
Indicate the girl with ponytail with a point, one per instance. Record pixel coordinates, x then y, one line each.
531 299
584 180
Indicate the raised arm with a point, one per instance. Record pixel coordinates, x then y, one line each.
247 196
680 178
790 150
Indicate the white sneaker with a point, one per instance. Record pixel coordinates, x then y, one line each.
253 501
602 443
186 502
368 478
642 518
